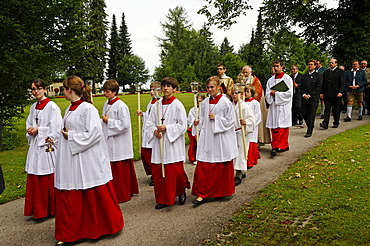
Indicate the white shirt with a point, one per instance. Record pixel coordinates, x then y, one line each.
173 138
217 139
118 131
256 108
145 138
49 124
82 161
280 111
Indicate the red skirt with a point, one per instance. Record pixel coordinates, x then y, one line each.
280 138
172 185
40 196
146 158
253 154
192 151
124 180
88 213
214 179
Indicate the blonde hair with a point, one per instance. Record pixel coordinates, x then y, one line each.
76 84
213 79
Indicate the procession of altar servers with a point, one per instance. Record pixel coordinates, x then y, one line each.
94 156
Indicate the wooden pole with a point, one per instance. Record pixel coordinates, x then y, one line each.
139 118
243 128
161 139
196 115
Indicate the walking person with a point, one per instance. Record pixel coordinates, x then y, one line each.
44 120
86 204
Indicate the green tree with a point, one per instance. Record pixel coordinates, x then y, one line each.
113 51
131 71
124 41
233 64
226 47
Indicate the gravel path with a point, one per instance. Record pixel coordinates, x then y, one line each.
175 225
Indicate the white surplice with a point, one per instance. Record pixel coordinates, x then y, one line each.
82 160
217 139
256 108
240 162
173 138
49 124
118 131
280 110
145 138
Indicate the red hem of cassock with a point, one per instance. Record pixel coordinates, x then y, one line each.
88 213
214 179
146 158
124 180
253 154
40 196
280 138
192 146
174 184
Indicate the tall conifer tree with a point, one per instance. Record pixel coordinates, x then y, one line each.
113 51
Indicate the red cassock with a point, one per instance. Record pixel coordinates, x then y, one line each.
253 154
124 179
280 138
174 184
214 179
192 146
88 213
40 196
146 155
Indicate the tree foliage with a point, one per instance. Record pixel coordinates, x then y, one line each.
124 41
131 71
226 47
113 51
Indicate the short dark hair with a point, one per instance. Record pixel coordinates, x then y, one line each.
38 83
355 61
221 65
169 81
251 88
111 85
311 60
278 61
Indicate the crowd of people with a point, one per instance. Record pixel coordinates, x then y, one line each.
81 167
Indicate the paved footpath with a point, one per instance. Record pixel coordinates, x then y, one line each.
175 225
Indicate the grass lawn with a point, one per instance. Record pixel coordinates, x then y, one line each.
13 161
323 199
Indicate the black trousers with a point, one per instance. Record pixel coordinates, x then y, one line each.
332 104
296 114
309 108
367 99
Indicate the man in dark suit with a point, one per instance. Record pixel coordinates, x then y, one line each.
310 87
297 117
332 91
320 69
355 87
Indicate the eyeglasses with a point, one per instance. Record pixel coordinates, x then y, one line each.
211 86
276 66
310 64
219 68
37 89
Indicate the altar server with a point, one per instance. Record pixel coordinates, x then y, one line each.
43 120
279 117
116 123
170 180
217 146
86 204
247 121
146 147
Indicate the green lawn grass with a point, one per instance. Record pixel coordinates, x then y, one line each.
323 199
13 161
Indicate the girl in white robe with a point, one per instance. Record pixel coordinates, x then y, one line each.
248 121
116 123
217 146
43 120
86 204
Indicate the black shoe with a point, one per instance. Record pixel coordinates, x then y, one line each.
160 206
300 122
335 125
238 181
308 134
244 176
347 119
323 125
197 202
359 117
281 150
368 112
344 111
294 123
151 183
182 198
273 153
321 116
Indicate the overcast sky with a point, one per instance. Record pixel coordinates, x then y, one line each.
143 18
